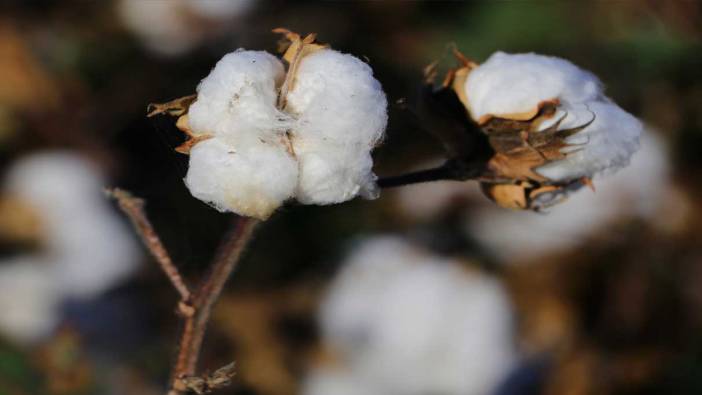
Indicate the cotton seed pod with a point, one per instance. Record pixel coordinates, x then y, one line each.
549 123
258 135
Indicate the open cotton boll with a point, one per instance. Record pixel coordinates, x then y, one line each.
239 97
638 191
87 246
30 301
427 325
251 179
510 84
341 113
604 146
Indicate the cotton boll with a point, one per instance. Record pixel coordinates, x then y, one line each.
238 97
87 246
349 309
160 24
253 179
30 301
411 323
341 112
604 146
449 330
638 191
509 84
330 381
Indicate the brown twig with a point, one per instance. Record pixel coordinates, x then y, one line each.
204 299
134 208
195 308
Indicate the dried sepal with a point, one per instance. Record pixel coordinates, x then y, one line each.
173 108
520 147
297 49
179 108
530 195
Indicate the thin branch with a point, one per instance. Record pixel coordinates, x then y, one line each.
134 208
204 299
427 175
452 170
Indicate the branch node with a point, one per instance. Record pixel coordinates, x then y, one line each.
201 385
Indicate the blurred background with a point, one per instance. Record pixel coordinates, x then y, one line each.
429 290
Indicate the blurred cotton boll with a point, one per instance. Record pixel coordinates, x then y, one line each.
87 248
336 381
173 27
218 9
30 300
408 322
638 191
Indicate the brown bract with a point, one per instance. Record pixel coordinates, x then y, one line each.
179 108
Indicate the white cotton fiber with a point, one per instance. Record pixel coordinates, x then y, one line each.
86 244
516 83
341 114
253 178
30 301
407 322
605 146
513 85
238 97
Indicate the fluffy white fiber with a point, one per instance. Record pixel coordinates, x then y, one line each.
341 115
407 322
86 248
253 178
317 150
513 85
238 98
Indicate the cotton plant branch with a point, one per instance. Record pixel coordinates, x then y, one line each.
204 299
133 207
195 307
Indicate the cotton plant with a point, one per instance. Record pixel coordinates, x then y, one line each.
401 320
549 124
264 130
261 135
